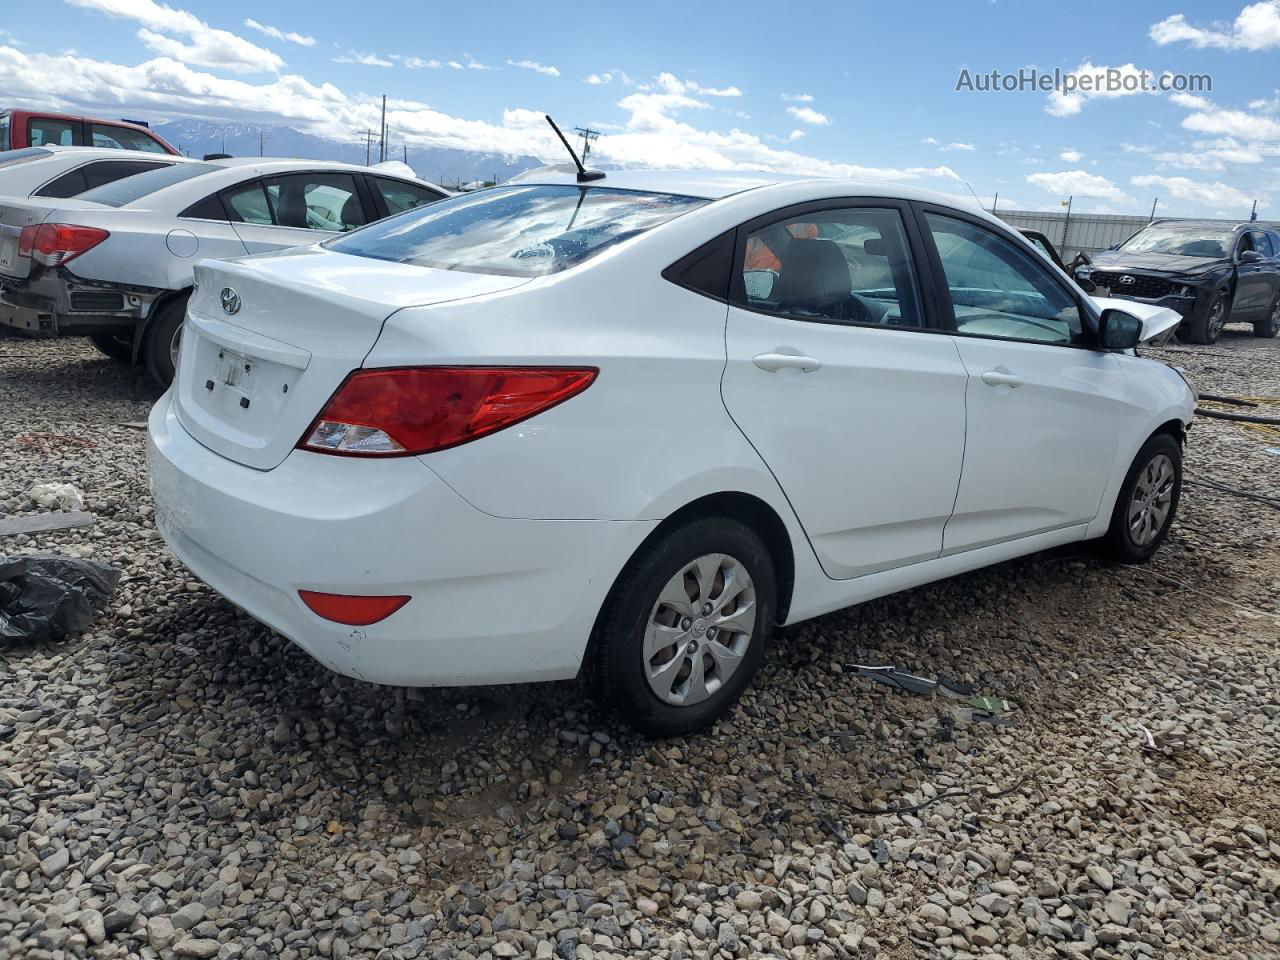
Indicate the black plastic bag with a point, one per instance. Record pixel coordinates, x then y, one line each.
49 598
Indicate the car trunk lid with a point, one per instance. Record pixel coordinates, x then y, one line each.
268 339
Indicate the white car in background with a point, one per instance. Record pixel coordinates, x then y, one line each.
116 263
59 172
633 425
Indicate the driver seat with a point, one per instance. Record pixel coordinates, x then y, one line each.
813 279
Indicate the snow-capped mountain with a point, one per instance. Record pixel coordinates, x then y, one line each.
437 164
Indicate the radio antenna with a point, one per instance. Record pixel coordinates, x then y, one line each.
584 175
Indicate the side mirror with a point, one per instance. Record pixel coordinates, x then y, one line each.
1118 330
1250 256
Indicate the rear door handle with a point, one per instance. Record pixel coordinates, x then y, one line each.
773 362
994 378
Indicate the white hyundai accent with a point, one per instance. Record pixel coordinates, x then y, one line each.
632 425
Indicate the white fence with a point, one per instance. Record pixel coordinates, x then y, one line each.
1086 232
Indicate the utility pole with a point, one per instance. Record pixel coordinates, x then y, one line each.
588 135
1153 208
406 153
368 146
995 202
261 140
1066 225
382 147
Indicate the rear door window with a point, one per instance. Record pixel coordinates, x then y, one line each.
400 196
5 142
316 201
247 203
135 188
48 130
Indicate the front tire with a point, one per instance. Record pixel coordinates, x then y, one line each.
1147 503
684 628
1207 326
164 333
1269 325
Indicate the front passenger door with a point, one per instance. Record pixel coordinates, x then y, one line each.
835 377
1043 408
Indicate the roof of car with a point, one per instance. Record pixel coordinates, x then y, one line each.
714 184
285 164
113 153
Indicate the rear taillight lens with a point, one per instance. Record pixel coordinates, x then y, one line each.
421 409
54 244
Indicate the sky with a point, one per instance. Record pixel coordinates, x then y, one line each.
849 89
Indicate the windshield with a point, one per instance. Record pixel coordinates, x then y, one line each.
1181 240
129 189
525 231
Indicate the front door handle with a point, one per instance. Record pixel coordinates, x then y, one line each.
773 362
997 378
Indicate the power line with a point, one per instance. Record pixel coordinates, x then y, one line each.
588 137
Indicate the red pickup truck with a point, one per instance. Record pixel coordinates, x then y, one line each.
30 128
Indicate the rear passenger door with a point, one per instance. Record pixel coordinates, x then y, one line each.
1044 410
1255 279
294 209
839 377
397 196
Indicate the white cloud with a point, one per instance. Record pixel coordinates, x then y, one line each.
598 79
714 91
798 97
810 116
1217 154
474 64
932 141
1190 101
653 134
205 46
1128 84
1208 194
1211 119
417 63
535 67
1070 155
1257 27
276 33
1078 183
364 59
956 145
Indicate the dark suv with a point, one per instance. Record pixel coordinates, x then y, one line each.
1210 272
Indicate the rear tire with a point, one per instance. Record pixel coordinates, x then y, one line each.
1147 502
1269 325
117 348
684 628
1207 325
163 336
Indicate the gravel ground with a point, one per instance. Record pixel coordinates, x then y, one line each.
180 781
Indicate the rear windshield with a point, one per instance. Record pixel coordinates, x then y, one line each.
1181 240
10 157
525 231
144 184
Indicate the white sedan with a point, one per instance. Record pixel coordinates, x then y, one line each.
632 426
116 263
53 171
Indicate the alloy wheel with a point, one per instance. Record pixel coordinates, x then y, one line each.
175 346
1217 318
1151 500
699 630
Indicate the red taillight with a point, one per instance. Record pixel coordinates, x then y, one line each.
415 410
355 611
53 244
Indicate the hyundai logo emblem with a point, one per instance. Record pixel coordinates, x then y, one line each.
1126 280
231 300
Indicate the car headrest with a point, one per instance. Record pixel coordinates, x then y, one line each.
814 274
352 212
291 209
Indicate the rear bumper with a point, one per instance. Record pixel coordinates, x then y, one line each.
58 303
493 601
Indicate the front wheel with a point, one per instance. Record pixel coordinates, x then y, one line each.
1269 325
1147 502
685 627
1207 325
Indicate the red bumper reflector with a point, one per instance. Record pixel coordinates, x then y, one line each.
352 610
